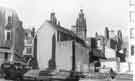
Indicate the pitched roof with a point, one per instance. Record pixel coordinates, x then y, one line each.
63 29
69 32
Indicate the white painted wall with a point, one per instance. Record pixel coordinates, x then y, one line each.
110 53
109 64
44 44
64 55
82 57
63 50
124 67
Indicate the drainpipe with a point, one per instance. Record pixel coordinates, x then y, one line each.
33 32
103 46
35 65
117 60
73 57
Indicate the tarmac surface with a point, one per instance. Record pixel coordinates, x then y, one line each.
119 77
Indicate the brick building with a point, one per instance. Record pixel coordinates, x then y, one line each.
11 35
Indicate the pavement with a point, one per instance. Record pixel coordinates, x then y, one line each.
119 77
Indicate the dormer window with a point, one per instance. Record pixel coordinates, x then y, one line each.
8 28
7 34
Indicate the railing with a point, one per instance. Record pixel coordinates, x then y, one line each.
124 77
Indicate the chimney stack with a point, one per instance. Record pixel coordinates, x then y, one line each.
33 31
53 18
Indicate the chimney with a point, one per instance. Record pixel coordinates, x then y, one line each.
33 31
58 23
20 23
53 18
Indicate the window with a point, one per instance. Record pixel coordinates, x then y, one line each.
132 50
29 41
93 43
29 50
132 33
113 43
132 16
6 56
7 35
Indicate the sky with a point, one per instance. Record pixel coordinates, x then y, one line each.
99 13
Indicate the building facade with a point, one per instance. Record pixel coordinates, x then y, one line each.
131 38
28 42
59 48
11 34
112 44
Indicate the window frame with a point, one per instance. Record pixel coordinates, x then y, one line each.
28 50
8 32
132 35
131 15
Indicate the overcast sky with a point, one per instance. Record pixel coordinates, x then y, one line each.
98 13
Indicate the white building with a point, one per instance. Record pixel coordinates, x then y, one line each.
56 49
